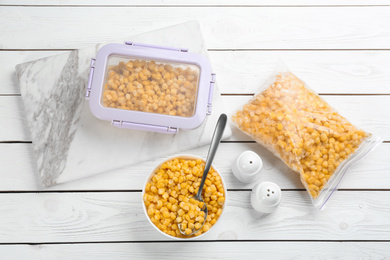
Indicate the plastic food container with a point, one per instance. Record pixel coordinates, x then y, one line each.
156 169
148 87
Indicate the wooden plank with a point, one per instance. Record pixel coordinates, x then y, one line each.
232 28
207 250
371 113
349 72
195 3
240 72
13 118
18 170
118 216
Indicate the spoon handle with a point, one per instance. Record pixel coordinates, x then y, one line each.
217 136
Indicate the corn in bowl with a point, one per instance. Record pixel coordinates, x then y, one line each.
168 196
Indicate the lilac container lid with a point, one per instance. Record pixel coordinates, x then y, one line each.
148 121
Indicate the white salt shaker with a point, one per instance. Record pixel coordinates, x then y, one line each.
247 166
265 197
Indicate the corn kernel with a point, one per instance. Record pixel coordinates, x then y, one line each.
206 227
188 231
198 226
184 225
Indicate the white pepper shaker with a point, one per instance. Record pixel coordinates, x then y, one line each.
265 197
247 166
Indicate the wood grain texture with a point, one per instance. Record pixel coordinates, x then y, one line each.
207 250
18 171
371 113
223 27
118 216
240 72
16 125
334 72
195 3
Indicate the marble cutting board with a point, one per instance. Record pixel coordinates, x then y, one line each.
69 142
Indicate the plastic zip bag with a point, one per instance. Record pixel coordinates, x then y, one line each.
299 127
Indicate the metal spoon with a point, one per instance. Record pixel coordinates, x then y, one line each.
217 136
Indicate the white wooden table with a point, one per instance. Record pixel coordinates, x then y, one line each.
340 48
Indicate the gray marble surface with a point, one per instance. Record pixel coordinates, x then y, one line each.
69 142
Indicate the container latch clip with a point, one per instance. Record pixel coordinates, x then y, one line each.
145 127
91 71
211 92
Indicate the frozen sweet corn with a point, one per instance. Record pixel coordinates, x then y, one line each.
301 128
168 197
152 87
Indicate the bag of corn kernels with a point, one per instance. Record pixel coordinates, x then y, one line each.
299 127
